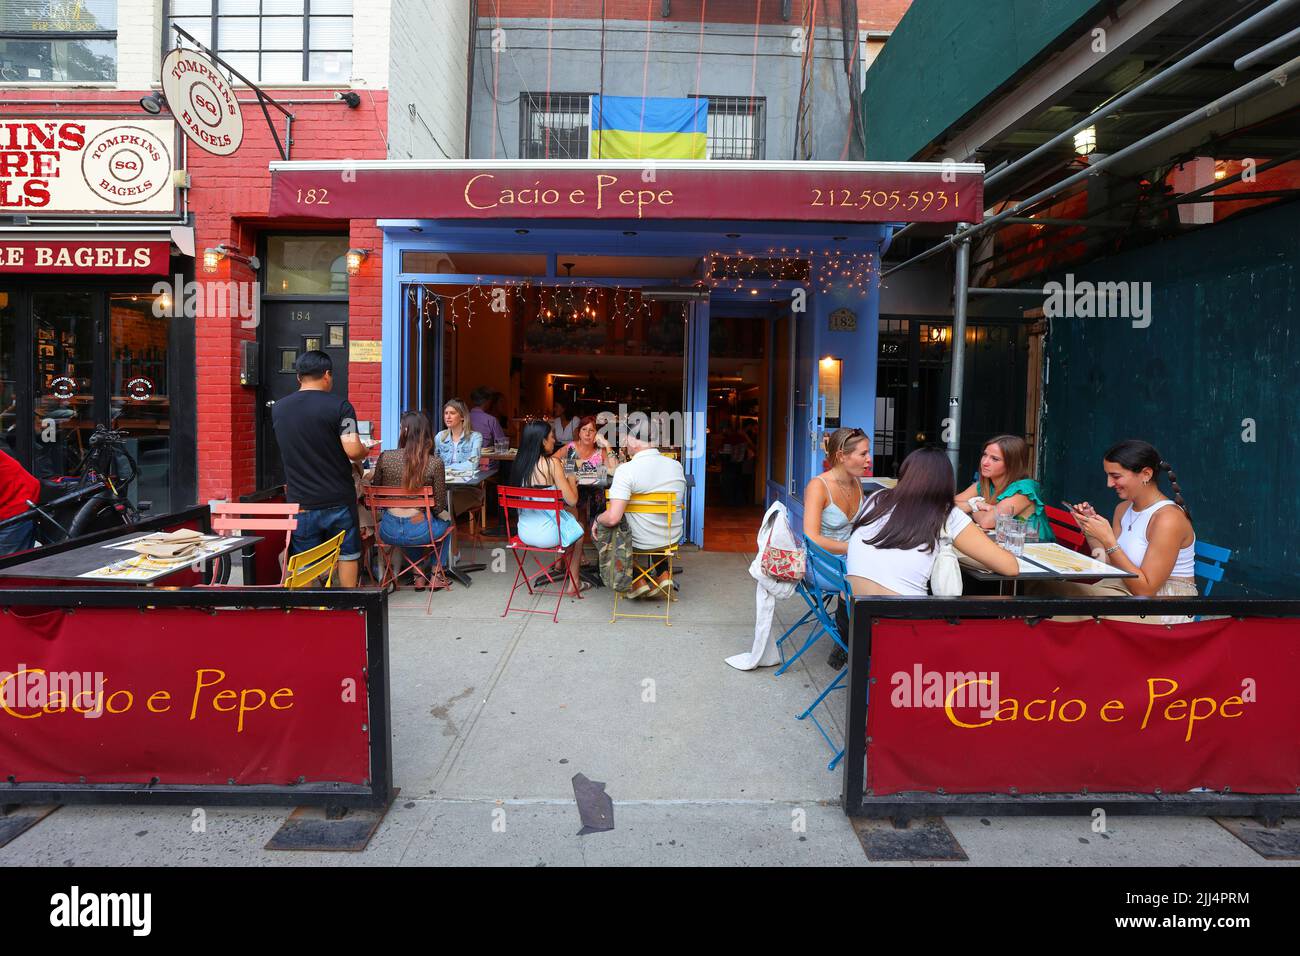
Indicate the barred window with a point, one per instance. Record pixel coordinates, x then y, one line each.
737 127
554 126
58 41
272 41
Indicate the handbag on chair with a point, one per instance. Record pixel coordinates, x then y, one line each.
945 576
783 564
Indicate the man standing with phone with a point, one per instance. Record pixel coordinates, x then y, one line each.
318 439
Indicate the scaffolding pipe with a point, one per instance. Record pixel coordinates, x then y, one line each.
1186 63
1281 6
1274 78
961 284
1267 50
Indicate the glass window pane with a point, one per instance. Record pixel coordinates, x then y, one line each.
287 359
58 61
282 67
328 67
282 33
63 399
306 265
43 15
139 393
237 6
331 6
245 63
331 33
189 8
237 33
9 371
276 7
198 27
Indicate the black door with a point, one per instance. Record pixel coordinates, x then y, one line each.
289 329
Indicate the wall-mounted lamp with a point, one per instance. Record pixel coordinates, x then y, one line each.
212 258
1085 141
351 98
354 259
153 103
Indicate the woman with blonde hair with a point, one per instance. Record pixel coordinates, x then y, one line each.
831 501
1004 487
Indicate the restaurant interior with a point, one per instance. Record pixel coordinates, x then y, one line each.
611 334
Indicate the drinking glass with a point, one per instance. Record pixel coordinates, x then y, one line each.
1016 536
1000 532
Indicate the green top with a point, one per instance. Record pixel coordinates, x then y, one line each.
1031 490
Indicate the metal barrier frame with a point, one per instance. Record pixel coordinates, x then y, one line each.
372 603
910 805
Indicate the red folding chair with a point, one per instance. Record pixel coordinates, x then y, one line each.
377 498
536 499
1066 529
234 517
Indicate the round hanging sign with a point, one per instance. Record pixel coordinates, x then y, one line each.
203 101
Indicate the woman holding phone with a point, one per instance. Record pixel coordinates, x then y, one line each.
1149 535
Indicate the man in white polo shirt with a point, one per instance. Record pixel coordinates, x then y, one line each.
645 472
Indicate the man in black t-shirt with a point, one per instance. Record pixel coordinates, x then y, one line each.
317 435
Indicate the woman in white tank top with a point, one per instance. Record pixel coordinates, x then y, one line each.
1149 535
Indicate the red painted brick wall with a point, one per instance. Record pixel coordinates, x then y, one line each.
872 14
229 197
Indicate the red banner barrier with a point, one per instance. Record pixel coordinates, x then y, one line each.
995 706
183 695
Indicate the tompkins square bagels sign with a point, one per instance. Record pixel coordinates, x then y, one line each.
86 165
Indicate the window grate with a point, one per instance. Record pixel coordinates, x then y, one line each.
737 127
554 126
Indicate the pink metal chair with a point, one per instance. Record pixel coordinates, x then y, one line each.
235 518
536 499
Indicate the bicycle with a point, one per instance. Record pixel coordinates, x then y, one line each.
97 500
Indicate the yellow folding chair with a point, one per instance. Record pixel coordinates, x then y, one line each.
665 505
306 566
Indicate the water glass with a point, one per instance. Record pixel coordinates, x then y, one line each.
1000 533
1016 536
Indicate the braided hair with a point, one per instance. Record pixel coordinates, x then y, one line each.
1135 455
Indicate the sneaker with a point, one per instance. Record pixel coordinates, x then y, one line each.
838 658
665 586
641 588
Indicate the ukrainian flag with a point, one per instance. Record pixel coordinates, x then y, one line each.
632 127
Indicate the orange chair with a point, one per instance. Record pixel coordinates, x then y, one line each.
235 518
378 498
536 499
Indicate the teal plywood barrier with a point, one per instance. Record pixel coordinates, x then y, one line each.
948 56
1218 365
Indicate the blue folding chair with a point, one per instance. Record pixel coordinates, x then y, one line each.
825 569
1212 567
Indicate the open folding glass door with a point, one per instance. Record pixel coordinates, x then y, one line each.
695 417
427 355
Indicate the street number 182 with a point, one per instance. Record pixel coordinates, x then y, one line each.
313 197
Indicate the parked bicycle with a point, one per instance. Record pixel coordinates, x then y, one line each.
95 500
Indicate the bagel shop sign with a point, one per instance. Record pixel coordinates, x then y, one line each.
87 165
60 257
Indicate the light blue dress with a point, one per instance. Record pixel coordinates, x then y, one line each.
537 528
835 525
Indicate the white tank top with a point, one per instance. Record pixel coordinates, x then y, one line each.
1133 540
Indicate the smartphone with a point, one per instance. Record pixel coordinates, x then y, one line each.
1070 506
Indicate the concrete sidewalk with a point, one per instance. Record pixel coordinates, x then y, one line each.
706 765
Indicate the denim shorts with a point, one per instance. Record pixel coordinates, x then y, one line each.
320 525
